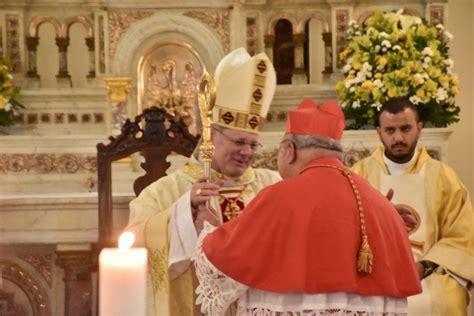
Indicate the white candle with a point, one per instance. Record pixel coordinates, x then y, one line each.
122 279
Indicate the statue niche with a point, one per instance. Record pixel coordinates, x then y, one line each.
170 76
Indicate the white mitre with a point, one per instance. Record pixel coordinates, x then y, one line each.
245 89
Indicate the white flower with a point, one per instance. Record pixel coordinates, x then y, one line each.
415 99
352 89
441 94
450 109
348 83
378 83
420 78
346 68
448 35
355 104
360 77
343 104
440 26
427 51
386 43
396 47
366 66
377 105
384 49
426 62
449 63
352 23
8 107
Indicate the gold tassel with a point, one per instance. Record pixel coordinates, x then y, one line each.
365 258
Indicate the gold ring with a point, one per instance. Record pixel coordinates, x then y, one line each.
198 191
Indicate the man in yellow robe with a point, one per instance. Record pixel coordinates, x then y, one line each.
165 216
443 239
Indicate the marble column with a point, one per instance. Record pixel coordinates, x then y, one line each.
91 49
269 41
78 266
32 44
117 92
63 77
299 73
327 38
32 75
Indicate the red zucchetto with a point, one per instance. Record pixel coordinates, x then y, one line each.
308 118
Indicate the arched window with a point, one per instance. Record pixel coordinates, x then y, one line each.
284 51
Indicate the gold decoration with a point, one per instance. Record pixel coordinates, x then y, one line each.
218 20
158 265
207 99
118 88
168 76
119 22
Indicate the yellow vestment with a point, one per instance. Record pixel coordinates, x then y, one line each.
448 230
156 217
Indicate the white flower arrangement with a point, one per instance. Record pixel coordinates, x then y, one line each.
396 55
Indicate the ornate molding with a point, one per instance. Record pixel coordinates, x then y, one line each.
119 22
12 23
42 263
60 118
266 159
118 88
218 20
78 266
47 163
352 156
277 116
37 295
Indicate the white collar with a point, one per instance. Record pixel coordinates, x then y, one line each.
398 169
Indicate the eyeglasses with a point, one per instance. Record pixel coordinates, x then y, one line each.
241 143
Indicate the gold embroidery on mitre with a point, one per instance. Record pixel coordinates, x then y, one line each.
259 80
262 66
257 95
238 119
227 117
254 122
255 108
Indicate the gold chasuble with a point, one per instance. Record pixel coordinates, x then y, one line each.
444 233
153 217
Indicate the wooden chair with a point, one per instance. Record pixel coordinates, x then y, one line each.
155 134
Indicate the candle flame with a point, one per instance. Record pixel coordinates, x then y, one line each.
126 240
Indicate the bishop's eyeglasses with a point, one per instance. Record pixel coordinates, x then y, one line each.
241 143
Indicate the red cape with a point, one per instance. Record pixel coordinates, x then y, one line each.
302 234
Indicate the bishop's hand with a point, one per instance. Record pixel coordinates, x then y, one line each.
202 190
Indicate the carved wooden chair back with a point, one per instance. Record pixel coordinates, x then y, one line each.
155 134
